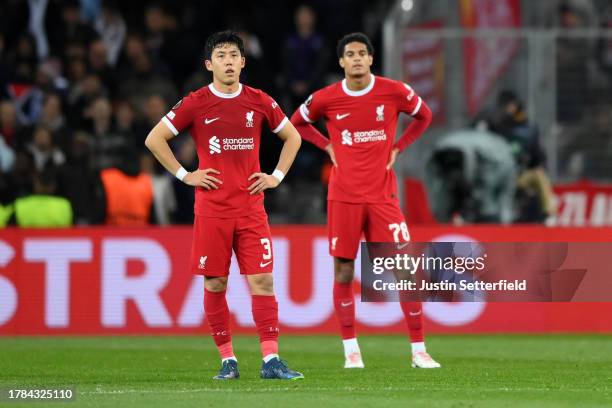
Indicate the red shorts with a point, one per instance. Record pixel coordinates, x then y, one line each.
346 222
214 239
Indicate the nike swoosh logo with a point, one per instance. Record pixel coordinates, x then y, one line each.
414 313
340 117
207 121
346 304
402 246
264 264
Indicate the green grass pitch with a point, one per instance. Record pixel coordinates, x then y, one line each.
478 371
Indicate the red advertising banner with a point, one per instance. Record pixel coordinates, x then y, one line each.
423 67
136 281
584 204
485 59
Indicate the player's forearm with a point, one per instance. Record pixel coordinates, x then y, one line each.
291 144
416 128
309 132
157 143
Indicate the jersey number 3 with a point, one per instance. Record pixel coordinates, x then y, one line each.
267 247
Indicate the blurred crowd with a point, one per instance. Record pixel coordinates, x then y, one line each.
584 91
83 82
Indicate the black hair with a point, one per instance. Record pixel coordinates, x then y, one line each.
128 160
222 37
354 37
507 96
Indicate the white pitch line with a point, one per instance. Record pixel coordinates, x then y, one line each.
309 389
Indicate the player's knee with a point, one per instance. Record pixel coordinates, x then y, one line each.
261 284
215 284
344 270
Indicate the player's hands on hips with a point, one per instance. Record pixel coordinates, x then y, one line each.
262 182
392 157
330 150
203 178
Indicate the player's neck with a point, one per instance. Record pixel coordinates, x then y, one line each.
226 89
358 83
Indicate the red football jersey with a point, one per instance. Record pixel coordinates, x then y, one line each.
361 127
226 129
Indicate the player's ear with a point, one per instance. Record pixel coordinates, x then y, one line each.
208 65
370 59
341 62
243 61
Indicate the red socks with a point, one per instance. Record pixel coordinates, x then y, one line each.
413 313
344 303
265 315
217 315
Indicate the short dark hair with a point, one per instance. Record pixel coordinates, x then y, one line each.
222 37
354 37
507 96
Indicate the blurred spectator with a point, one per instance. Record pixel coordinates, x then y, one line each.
111 27
71 31
604 54
256 74
160 29
305 59
43 149
30 103
304 68
164 201
585 9
107 144
128 191
128 125
588 151
535 198
43 208
23 60
155 109
53 119
36 25
9 127
75 50
98 64
82 94
4 69
142 77
81 184
53 79
76 70
18 182
173 47
572 68
7 157
185 195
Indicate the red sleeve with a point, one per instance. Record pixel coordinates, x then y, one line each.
408 101
313 108
308 132
422 119
275 116
181 115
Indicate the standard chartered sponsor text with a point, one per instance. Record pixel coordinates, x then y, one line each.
242 143
369 136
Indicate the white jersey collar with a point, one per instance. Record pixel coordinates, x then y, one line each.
361 92
224 95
